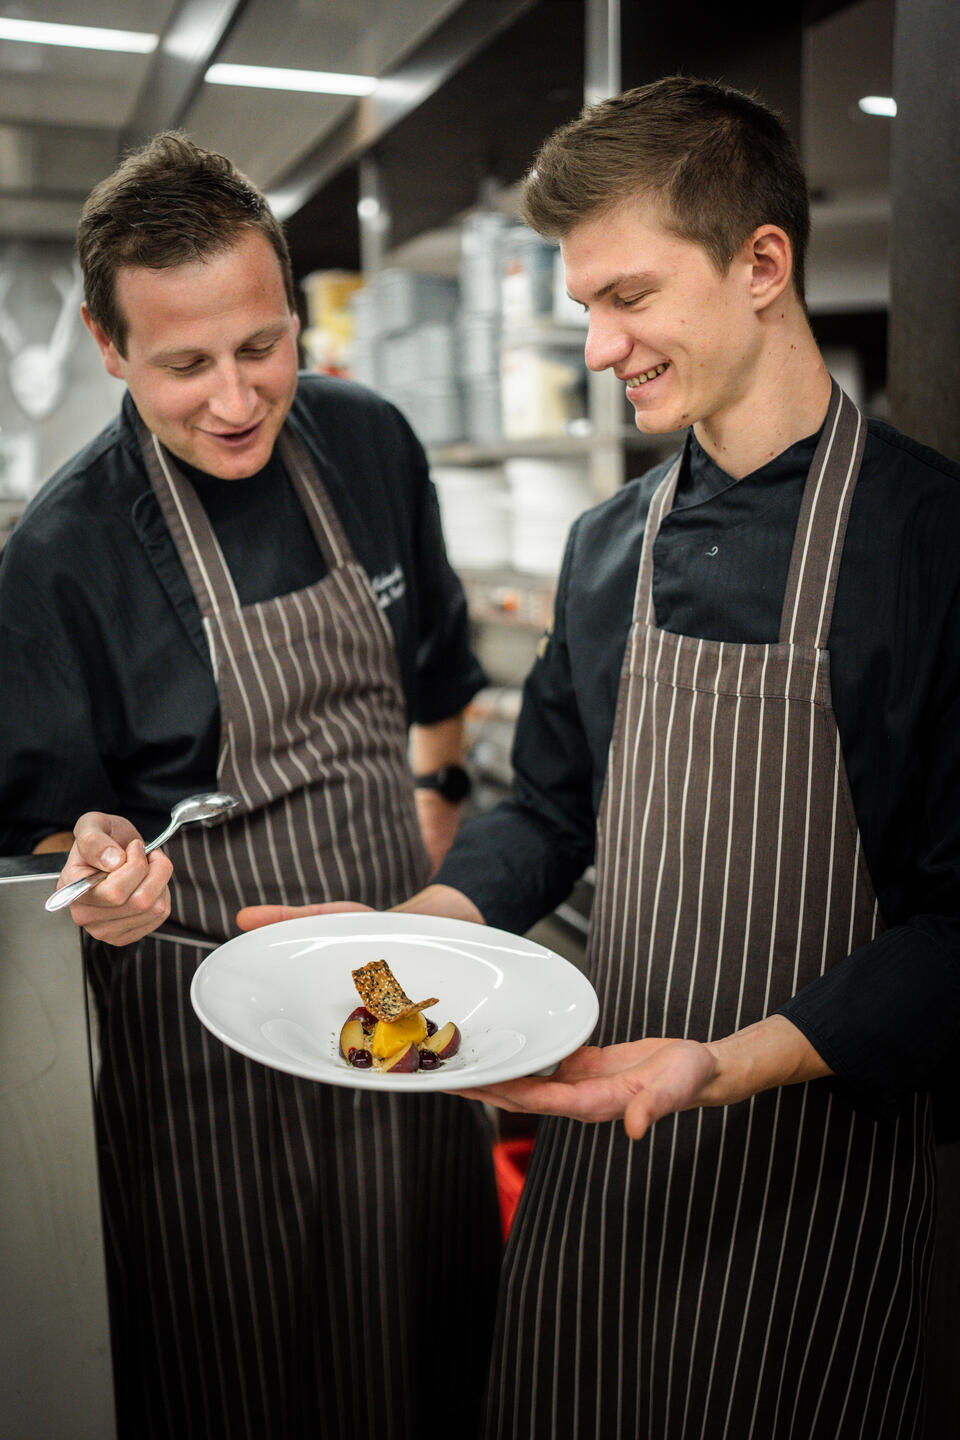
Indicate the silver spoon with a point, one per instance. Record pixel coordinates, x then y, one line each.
185 812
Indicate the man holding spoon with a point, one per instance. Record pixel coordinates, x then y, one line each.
241 585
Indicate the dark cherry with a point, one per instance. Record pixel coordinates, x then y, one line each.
428 1061
360 1059
431 1027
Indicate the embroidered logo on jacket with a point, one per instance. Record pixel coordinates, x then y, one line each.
390 587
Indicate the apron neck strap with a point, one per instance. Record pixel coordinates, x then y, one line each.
190 529
824 510
660 505
322 517
818 543
195 538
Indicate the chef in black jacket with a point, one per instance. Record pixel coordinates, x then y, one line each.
747 710
241 584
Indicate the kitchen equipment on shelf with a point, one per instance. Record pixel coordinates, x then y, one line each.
526 276
475 508
547 495
543 388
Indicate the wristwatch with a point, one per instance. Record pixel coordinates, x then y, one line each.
451 781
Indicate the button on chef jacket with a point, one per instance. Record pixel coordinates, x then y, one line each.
884 1019
109 700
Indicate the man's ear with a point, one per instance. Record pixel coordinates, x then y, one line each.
769 254
109 353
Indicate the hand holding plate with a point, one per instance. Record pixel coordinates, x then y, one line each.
252 917
639 1082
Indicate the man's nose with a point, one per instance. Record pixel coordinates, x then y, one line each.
233 399
607 342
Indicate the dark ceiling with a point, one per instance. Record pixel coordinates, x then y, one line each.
484 123
467 90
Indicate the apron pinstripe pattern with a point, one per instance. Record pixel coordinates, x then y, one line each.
281 1254
757 1272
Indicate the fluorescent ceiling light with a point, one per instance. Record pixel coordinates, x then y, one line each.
266 77
878 105
82 37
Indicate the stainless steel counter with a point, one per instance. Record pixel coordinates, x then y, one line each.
55 1378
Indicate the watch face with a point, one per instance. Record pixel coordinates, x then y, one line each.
453 782
450 781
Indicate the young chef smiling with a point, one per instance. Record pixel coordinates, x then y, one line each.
694 344
241 585
748 710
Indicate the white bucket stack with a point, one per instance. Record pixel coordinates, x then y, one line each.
546 497
475 510
516 515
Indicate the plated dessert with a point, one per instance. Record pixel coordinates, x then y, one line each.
389 1031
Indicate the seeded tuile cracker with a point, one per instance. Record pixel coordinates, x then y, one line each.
380 992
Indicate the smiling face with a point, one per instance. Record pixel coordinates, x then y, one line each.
686 341
211 355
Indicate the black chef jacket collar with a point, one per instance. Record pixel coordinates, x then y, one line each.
701 479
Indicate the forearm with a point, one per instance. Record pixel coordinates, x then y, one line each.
762 1056
644 1080
442 900
433 746
58 843
886 1019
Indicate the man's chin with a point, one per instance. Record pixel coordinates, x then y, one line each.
653 424
223 463
238 471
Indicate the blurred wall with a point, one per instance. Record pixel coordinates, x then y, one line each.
924 357
31 306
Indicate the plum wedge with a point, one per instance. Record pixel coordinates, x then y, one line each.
351 1038
403 1061
445 1042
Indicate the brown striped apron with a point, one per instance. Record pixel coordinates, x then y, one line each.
282 1255
754 1272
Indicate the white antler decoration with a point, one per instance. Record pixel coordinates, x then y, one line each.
10 332
38 372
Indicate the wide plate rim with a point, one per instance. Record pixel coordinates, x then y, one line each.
353 924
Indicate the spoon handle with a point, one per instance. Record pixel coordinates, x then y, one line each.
65 896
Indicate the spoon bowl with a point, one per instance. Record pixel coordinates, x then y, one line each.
199 807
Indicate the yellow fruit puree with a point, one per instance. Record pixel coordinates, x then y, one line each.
391 1036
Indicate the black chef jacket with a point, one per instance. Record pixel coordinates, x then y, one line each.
886 1017
109 700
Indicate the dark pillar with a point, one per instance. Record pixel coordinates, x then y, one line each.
924 348
924 386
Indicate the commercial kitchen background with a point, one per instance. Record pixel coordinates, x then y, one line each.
415 275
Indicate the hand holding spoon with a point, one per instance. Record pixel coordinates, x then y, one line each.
185 812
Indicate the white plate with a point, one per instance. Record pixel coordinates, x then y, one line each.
281 994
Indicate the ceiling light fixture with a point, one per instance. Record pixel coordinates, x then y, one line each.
878 105
81 37
266 77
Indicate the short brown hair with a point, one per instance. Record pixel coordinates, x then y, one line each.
720 162
167 204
